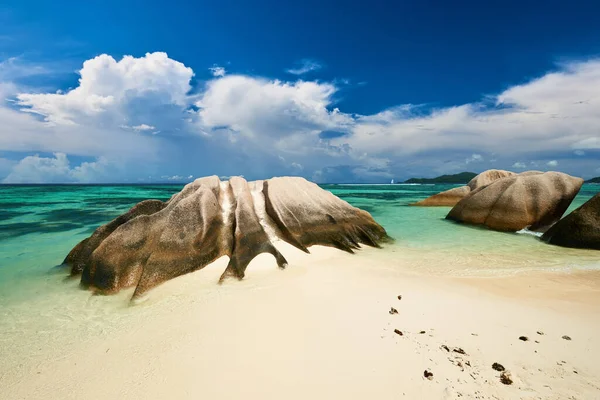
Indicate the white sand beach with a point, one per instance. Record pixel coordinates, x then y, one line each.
320 329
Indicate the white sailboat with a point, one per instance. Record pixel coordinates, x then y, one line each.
392 182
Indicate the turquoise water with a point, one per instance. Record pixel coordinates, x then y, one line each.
40 224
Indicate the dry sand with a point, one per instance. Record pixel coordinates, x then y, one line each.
321 329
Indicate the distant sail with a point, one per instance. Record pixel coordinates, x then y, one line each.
392 182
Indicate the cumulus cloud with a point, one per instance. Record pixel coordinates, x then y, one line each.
519 165
305 66
552 163
107 86
57 169
217 71
257 107
104 114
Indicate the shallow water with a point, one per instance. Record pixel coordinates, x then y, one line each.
40 224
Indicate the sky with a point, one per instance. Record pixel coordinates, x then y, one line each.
336 92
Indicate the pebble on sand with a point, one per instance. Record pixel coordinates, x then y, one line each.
398 332
523 338
566 337
506 378
393 311
498 367
428 374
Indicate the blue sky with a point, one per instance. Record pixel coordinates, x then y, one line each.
334 91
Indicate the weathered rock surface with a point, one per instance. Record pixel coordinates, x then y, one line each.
579 229
487 177
156 241
533 200
450 198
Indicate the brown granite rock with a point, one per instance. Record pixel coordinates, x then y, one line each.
487 177
533 200
451 197
580 229
446 198
156 241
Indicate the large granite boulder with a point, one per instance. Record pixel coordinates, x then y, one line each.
580 229
156 241
449 198
533 200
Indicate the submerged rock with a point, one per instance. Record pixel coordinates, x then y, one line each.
580 229
156 241
533 200
449 198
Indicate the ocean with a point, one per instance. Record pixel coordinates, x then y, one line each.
40 224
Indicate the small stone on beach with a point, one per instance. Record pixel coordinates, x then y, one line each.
458 350
566 337
422 332
523 338
445 347
393 311
428 374
399 297
505 378
540 332
498 367
398 332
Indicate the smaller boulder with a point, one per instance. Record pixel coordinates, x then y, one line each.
450 197
580 229
447 198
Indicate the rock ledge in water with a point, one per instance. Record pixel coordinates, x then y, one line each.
156 241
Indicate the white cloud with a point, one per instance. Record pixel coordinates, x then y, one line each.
256 107
109 86
579 153
304 67
519 165
15 67
57 169
552 163
588 143
217 71
554 112
297 166
177 178
143 127
474 158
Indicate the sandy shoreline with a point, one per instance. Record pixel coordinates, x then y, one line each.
319 329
